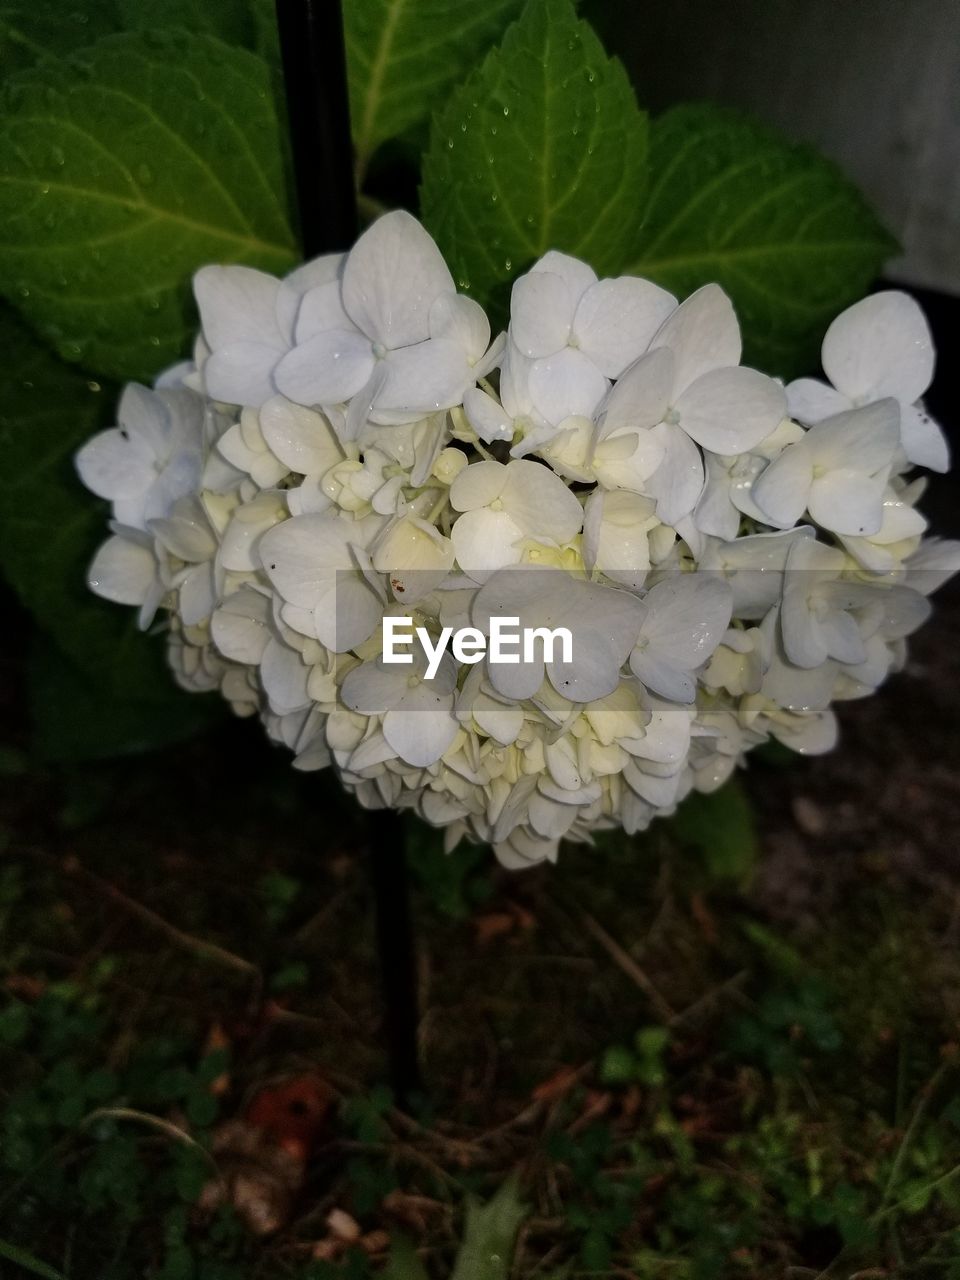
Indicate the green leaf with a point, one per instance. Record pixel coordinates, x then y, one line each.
543 147
778 226
39 32
719 826
405 55
489 1235
103 687
231 20
123 171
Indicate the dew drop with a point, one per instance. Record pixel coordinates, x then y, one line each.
506 111
57 155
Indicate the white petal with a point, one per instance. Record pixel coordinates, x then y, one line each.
187 533
629 459
687 615
240 627
594 671
782 490
321 310
485 540
197 598
540 503
375 687
663 677
881 346
615 540
349 615
715 513
842 637
576 275
678 481
524 849
237 304
242 373
327 369
419 736
566 385
301 555
284 677
923 440
478 485
391 279
616 320
361 406
862 439
730 410
301 438
123 571
425 378
803 640
462 321
488 418
641 397
114 464
298 283
934 562
810 400
702 333
541 314
848 502
147 415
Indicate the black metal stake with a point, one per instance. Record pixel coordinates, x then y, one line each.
315 76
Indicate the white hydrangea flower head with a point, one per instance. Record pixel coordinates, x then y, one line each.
350 452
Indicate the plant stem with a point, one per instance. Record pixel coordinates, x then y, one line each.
315 78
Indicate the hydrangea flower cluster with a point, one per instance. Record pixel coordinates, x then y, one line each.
730 555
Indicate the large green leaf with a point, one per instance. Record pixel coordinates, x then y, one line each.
404 55
543 147
123 697
36 32
231 20
123 171
778 226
